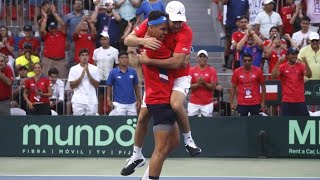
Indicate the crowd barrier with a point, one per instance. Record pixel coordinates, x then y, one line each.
106 136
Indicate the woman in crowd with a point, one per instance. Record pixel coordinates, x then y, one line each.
37 92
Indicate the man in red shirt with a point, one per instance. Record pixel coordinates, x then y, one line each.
29 39
6 80
236 38
203 83
54 45
246 82
292 82
158 87
178 40
84 37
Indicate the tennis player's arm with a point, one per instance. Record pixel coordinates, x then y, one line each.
174 62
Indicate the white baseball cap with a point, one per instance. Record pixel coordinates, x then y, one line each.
313 36
176 11
104 34
202 52
268 1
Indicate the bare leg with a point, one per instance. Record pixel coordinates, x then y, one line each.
177 100
142 127
162 148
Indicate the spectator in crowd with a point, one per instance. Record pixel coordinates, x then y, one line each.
18 87
37 92
286 14
236 38
267 19
34 10
301 38
246 83
312 55
54 45
313 12
147 6
48 11
6 80
12 7
57 99
127 11
72 20
274 52
7 45
27 59
297 16
235 8
252 44
123 92
35 43
84 37
255 7
292 83
84 79
203 82
105 57
107 20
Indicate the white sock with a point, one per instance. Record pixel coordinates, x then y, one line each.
136 152
187 137
146 174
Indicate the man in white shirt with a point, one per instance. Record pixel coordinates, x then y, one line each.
84 79
105 57
267 19
57 98
301 38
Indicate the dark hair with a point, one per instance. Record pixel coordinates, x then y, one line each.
3 26
83 50
36 64
243 17
155 15
274 27
74 1
53 71
246 55
123 53
305 18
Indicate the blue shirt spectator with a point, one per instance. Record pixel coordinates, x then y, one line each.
255 52
236 8
104 21
123 85
147 6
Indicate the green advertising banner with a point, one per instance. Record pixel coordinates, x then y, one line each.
312 92
104 136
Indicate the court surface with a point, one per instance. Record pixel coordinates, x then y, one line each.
13 168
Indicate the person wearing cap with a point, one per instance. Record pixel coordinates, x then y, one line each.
54 44
28 38
203 83
267 19
6 80
246 83
72 20
312 53
48 8
105 58
84 37
84 80
235 8
179 39
107 19
27 59
292 76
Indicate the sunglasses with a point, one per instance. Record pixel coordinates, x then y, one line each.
245 60
315 40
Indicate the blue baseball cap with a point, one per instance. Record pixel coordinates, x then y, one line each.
292 50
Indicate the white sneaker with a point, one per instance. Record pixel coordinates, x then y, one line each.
132 165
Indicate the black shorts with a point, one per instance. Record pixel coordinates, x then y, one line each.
162 114
294 109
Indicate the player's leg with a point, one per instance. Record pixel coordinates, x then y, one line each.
177 99
137 159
